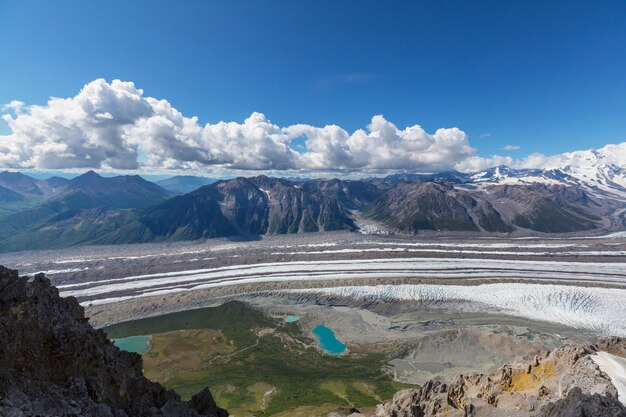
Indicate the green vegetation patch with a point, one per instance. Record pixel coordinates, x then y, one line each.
554 220
256 365
235 319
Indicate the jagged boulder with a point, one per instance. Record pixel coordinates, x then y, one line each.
53 363
563 383
577 404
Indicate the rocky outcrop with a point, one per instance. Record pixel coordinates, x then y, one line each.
53 363
414 206
547 208
563 383
578 404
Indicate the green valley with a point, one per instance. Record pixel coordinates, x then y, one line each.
256 364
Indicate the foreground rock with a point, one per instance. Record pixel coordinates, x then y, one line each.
53 363
563 383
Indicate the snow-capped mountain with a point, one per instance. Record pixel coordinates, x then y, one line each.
506 175
610 179
595 171
577 192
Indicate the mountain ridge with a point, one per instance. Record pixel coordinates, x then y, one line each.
497 200
183 184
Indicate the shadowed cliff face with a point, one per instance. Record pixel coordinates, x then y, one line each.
257 206
53 363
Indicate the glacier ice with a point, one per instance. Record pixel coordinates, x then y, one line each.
601 310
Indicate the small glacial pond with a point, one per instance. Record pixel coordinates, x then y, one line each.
328 341
292 319
137 344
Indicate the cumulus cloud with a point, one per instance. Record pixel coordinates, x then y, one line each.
107 125
114 126
479 163
381 147
510 148
613 154
87 130
14 106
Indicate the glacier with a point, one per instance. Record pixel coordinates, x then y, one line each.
600 310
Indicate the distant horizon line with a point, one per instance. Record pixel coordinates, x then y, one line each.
47 174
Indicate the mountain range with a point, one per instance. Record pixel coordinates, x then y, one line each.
183 184
91 209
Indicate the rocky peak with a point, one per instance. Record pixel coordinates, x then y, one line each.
86 179
53 363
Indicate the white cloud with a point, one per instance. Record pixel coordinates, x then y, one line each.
113 126
107 126
382 147
510 148
68 133
478 163
613 154
14 106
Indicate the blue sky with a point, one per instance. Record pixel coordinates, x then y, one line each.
547 76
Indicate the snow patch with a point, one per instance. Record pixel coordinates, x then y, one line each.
615 368
266 193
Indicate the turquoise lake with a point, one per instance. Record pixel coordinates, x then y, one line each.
328 341
291 319
137 344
